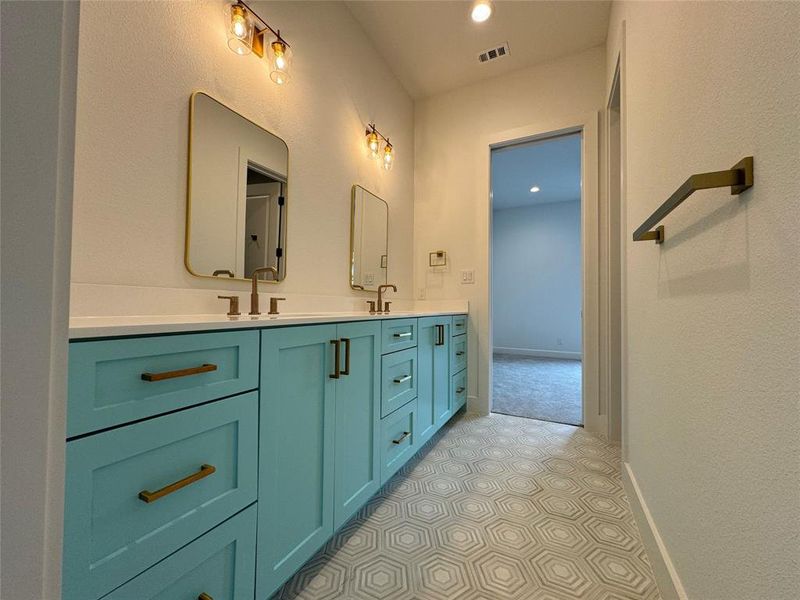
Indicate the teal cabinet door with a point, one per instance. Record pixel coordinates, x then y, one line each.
112 382
433 401
135 494
220 565
442 406
398 439
357 464
428 336
296 450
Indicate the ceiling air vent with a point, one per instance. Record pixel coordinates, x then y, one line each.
494 53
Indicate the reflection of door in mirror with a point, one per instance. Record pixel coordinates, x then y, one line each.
369 230
236 210
262 227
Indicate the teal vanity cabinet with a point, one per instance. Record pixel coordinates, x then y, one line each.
320 405
149 484
433 401
215 464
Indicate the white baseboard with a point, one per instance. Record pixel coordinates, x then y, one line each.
539 353
669 583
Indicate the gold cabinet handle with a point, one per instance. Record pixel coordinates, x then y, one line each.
204 596
337 357
460 390
402 437
205 368
402 379
346 356
403 335
461 353
205 471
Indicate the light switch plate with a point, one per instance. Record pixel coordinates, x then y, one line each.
467 276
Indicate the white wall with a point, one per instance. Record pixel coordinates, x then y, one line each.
536 279
38 119
140 61
713 314
451 206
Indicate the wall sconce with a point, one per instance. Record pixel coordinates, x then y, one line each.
374 138
244 36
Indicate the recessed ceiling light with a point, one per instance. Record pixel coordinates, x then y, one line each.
535 189
481 10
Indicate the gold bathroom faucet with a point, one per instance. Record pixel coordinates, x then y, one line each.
254 292
384 308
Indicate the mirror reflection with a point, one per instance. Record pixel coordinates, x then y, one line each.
236 209
369 235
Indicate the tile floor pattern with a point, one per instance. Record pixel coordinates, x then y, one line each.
494 507
539 388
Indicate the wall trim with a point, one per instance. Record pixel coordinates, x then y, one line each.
539 353
669 583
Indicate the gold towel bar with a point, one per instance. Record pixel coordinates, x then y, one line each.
739 178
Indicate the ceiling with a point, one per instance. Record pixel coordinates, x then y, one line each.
553 165
432 46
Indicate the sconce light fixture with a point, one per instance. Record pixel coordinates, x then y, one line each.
245 36
374 138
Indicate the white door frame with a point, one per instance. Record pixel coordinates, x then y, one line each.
589 126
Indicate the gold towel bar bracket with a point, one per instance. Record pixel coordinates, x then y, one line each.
739 178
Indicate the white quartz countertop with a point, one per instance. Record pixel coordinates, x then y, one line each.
100 327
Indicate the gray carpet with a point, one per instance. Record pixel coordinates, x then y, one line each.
538 388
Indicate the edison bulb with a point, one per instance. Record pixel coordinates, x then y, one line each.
373 145
239 26
279 57
240 29
388 157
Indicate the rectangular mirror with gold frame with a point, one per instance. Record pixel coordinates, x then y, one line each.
369 240
237 191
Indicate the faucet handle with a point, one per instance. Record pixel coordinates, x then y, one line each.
386 306
371 306
273 305
233 307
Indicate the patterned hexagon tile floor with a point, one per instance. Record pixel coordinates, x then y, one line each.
492 508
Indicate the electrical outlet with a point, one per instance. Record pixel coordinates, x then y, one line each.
468 276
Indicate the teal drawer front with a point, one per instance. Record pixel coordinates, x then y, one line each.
398 380
459 325
458 354
458 391
108 379
221 564
398 439
398 334
111 533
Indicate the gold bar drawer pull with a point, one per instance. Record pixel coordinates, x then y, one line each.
402 379
402 437
403 335
205 471
459 390
204 596
460 353
205 368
